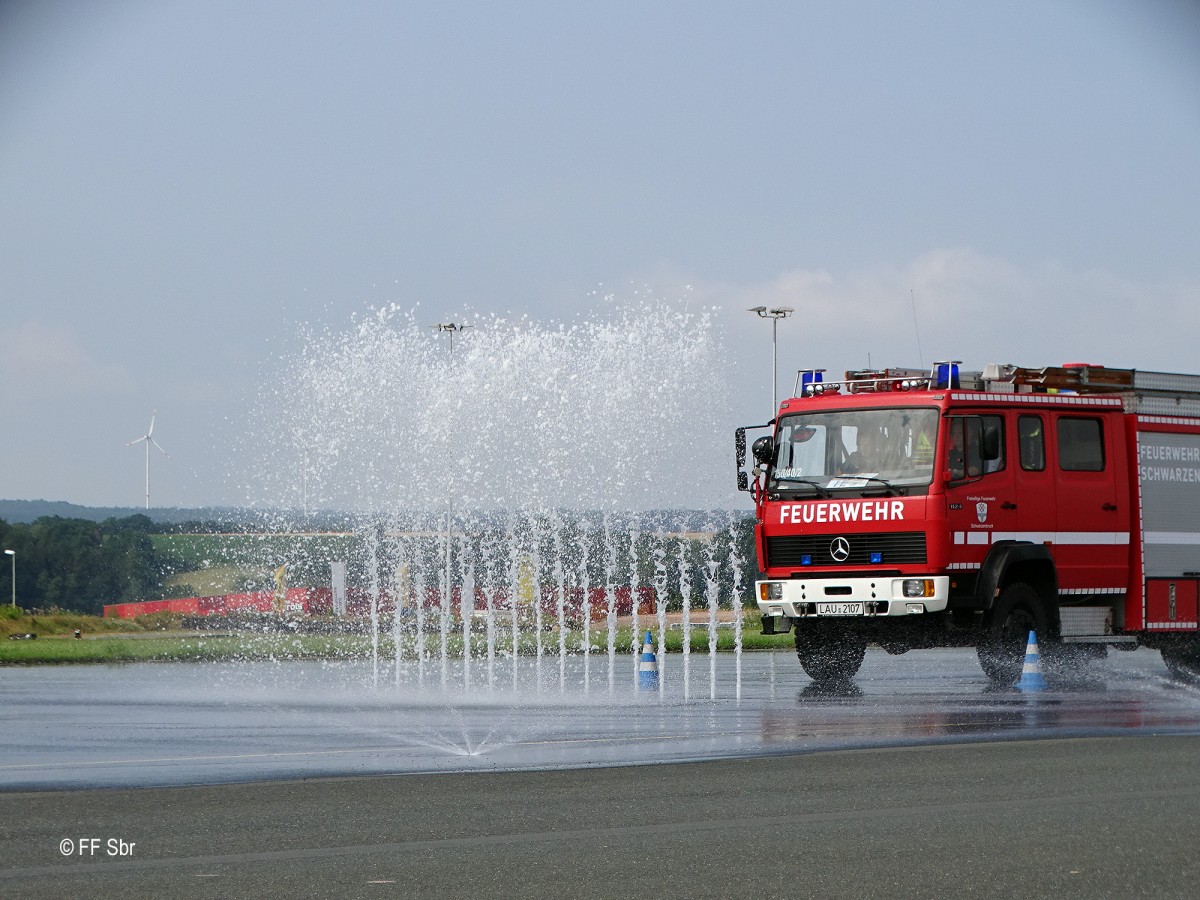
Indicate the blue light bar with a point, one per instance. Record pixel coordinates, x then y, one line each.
945 374
876 557
806 559
809 377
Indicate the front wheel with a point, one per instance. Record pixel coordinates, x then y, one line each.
1001 649
829 653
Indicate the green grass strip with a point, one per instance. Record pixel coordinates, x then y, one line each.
193 647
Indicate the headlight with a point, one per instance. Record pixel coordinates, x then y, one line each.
918 587
770 590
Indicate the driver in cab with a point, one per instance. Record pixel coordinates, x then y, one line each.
866 455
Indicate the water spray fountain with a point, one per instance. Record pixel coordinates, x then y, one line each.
519 485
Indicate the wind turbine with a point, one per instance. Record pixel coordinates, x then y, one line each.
148 439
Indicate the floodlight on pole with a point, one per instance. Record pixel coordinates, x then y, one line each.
13 554
775 314
450 328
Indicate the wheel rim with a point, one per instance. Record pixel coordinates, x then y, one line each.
1017 626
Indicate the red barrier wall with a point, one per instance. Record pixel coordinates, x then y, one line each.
319 602
305 600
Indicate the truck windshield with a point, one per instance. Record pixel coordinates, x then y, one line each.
859 449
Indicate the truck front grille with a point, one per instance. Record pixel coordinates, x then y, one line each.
894 548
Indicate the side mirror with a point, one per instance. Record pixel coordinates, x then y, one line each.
763 449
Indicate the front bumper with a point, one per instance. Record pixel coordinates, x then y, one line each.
849 597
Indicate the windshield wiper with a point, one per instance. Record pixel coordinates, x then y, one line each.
821 491
891 488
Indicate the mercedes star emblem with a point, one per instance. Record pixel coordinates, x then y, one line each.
840 549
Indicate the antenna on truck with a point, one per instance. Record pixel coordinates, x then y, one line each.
917 328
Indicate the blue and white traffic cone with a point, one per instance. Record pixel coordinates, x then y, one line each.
1032 680
648 666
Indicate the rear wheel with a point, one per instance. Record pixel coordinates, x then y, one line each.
1183 663
830 653
1001 649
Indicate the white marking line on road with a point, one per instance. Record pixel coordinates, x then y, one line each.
812 732
174 759
295 753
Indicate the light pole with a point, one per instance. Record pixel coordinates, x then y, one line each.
779 312
13 554
449 328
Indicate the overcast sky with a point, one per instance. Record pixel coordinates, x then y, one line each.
185 187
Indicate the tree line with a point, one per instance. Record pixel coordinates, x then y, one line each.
80 565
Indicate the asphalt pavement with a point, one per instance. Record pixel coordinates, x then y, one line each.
1091 817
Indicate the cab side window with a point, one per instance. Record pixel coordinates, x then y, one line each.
1080 444
992 443
976 446
1032 441
956 459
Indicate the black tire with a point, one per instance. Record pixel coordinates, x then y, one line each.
1183 664
830 653
1001 648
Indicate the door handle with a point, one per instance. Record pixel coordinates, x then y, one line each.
1008 504
1109 507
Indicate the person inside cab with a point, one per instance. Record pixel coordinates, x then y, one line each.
866 455
956 459
965 456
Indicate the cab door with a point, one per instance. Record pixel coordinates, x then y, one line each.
1091 541
980 495
1035 473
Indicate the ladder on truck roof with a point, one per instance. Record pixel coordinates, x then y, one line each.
1153 393
1149 393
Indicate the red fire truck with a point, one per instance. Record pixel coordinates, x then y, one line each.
914 509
